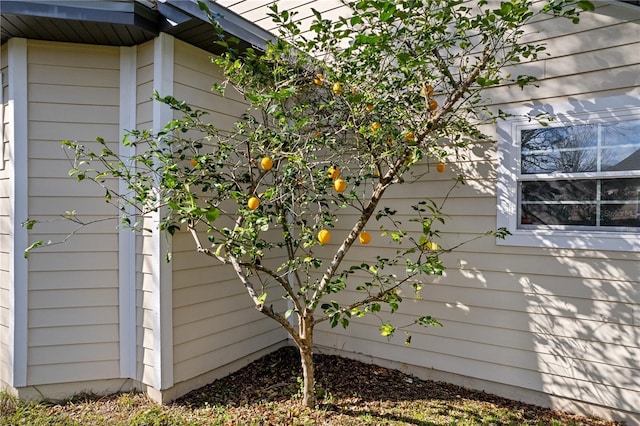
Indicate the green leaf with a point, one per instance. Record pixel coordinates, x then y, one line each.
586 5
262 298
212 214
32 247
428 321
387 330
29 223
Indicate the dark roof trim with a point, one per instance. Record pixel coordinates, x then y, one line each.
125 22
229 21
122 13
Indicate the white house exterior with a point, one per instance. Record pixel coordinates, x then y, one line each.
550 316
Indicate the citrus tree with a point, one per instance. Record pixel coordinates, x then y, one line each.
336 116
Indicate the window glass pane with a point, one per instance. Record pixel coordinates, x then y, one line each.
597 202
620 158
558 214
623 206
620 189
558 190
620 215
621 133
559 149
560 202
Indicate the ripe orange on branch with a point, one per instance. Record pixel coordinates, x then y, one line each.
441 167
339 185
433 104
427 90
333 173
375 126
324 236
337 88
364 237
266 163
194 162
409 136
319 78
253 203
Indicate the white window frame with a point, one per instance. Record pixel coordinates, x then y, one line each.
578 111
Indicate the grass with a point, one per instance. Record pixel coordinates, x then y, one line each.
267 392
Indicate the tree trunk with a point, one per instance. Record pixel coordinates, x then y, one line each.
306 359
309 393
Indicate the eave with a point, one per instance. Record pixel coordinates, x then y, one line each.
124 22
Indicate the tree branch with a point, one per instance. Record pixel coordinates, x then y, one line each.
349 240
261 307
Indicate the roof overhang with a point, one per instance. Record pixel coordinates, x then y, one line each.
124 22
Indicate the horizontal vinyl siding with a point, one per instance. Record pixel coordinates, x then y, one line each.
601 50
5 225
73 288
256 12
215 322
563 322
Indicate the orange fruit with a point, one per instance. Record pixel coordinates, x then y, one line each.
433 104
333 173
369 107
253 203
339 185
440 167
324 236
364 237
337 88
375 126
427 90
266 163
409 136
194 162
318 79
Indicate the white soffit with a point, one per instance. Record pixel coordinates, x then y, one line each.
256 11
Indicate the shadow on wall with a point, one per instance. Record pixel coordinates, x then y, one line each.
584 330
582 305
561 321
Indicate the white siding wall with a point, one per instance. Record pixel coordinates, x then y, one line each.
214 320
73 287
560 322
256 12
5 224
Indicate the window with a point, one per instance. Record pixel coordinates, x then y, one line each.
574 183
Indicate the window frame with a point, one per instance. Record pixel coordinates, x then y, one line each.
574 112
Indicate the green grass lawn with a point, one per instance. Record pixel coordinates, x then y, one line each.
267 392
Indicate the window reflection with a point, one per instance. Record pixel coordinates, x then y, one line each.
581 148
583 202
605 199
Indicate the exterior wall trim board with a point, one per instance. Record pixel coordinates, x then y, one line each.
18 192
162 274
126 237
